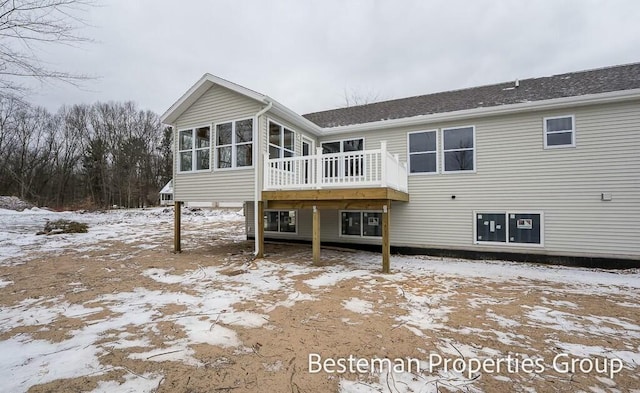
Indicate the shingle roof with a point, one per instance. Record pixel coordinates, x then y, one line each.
602 80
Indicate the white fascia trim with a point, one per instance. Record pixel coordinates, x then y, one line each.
294 118
556 103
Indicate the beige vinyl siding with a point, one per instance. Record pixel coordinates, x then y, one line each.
216 105
515 173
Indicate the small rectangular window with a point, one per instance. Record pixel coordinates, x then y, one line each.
372 224
459 149
280 221
524 228
508 228
361 223
559 132
491 227
423 156
351 223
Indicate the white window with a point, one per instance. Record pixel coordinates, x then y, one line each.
234 144
517 228
361 223
423 154
280 221
458 149
350 166
343 146
281 141
194 149
559 132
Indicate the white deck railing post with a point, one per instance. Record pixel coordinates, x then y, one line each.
318 167
266 181
383 163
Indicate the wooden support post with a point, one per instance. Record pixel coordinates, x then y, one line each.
176 226
316 236
259 231
386 241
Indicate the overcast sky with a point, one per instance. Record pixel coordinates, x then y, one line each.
306 54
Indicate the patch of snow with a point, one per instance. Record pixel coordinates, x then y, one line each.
599 325
144 383
332 275
160 275
358 306
632 359
245 319
291 300
4 283
273 367
25 362
176 353
502 321
406 382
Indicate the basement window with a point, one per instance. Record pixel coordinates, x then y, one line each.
194 149
559 132
280 221
509 228
361 223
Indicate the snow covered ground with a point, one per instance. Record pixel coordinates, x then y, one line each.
157 309
18 229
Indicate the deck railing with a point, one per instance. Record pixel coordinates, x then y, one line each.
367 168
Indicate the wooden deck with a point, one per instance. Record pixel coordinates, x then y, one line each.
374 198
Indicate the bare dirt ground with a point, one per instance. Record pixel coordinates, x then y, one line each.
335 310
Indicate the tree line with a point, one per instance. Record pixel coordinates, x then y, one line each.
108 153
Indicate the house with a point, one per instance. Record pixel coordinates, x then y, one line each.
166 194
540 169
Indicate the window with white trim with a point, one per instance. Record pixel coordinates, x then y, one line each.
509 228
349 166
423 151
458 149
361 223
234 144
194 149
280 221
281 141
559 132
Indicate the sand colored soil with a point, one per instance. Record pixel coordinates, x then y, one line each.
368 317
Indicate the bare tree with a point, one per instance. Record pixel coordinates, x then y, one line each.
27 25
354 97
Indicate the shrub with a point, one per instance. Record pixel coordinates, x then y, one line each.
63 226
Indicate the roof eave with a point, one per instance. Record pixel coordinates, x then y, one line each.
287 114
556 103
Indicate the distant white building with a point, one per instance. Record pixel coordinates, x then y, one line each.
166 194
